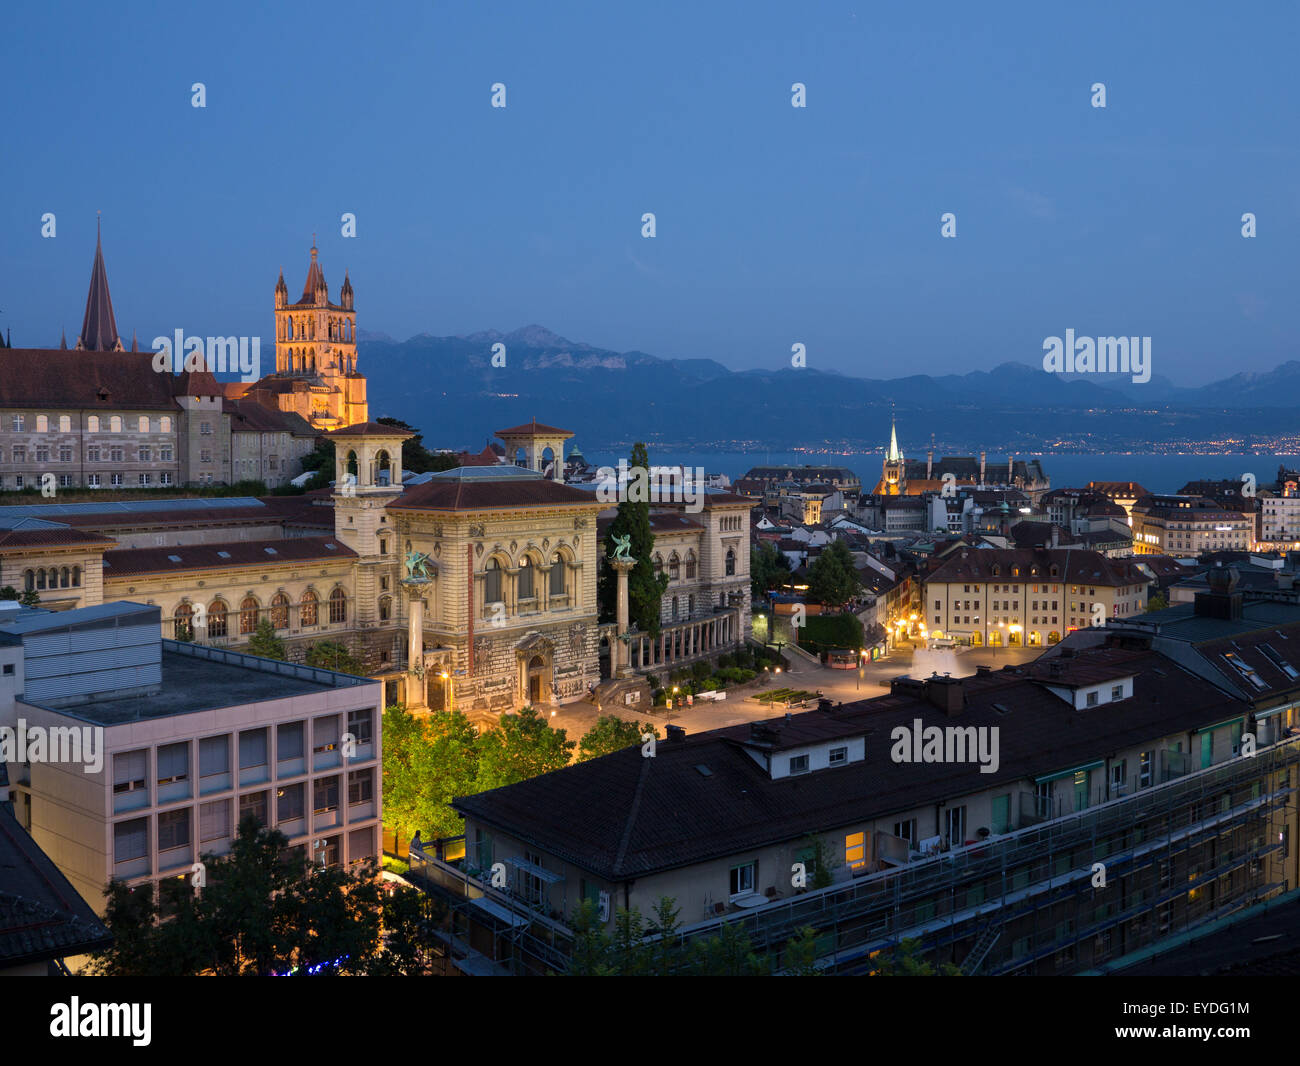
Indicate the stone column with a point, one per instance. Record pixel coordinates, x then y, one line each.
620 666
416 693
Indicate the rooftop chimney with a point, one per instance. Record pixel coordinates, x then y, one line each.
676 733
1222 601
947 693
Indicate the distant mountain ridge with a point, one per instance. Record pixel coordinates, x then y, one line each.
448 387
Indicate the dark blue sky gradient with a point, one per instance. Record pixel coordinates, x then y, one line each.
775 225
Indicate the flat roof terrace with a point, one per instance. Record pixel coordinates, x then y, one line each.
197 678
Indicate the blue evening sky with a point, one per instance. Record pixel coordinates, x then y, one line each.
775 225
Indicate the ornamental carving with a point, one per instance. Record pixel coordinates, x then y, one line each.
478 549
577 639
546 543
579 523
476 529
437 530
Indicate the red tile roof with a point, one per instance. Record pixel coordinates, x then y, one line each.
128 562
533 427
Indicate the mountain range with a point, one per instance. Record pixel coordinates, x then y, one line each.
449 389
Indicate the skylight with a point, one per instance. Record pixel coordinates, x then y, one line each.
1244 669
174 558
270 551
224 555
1270 653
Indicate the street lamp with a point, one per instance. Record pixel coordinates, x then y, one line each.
448 693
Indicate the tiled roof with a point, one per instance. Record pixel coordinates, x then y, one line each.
533 428
127 562
47 537
623 816
370 429
1073 565
89 381
42 917
440 494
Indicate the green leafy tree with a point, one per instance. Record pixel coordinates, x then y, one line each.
907 962
832 579
523 745
261 911
645 587
410 924
591 944
265 643
768 569
30 598
1157 603
609 734
801 954
665 924
729 953
427 763
334 655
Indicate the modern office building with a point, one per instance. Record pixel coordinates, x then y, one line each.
153 750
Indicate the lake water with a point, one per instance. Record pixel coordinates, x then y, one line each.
1156 473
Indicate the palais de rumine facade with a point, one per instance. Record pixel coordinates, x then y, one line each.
505 604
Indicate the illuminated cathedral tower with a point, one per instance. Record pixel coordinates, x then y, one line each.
316 354
894 472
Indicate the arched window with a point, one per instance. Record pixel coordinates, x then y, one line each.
40 578
42 424
731 562
307 609
385 608
557 575
997 570
526 590
115 424
492 582
217 619
674 567
338 606
184 621
248 616
280 611
92 424
144 423
690 566
76 577
659 563
65 424
65 578
165 424
29 580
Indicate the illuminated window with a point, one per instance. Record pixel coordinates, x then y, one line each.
855 850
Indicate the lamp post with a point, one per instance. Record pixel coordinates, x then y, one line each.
862 663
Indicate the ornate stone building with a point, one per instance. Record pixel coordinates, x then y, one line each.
98 416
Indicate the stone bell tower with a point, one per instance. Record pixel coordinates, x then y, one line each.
367 478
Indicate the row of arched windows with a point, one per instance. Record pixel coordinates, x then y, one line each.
304 329
52 577
218 622
526 584
675 566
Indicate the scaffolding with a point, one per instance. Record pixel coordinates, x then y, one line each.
1172 856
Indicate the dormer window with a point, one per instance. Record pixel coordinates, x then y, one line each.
839 756
798 764
997 570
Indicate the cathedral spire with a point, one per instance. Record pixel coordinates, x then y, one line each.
98 328
63 340
315 288
894 454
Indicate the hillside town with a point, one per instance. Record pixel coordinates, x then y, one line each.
838 718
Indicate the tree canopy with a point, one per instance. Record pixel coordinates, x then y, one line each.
832 578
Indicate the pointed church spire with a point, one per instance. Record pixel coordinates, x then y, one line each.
99 328
315 289
894 454
135 342
63 340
